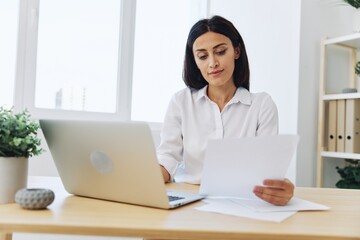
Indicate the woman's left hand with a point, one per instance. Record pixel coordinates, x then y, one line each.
277 192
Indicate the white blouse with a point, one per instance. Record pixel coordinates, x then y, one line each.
192 118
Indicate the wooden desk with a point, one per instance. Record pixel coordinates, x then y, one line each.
77 215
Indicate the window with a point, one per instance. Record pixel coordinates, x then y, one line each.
161 32
77 55
8 27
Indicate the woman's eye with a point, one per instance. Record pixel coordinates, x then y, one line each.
222 52
202 57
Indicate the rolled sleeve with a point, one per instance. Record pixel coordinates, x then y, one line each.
268 118
170 150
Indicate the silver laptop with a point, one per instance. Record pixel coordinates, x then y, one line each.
113 161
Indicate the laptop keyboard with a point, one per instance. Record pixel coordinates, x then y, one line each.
174 198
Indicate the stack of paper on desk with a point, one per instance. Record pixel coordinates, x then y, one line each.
233 167
258 209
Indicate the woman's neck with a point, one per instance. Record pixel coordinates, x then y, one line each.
221 95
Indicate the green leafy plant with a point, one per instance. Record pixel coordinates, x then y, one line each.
350 175
357 68
353 3
18 134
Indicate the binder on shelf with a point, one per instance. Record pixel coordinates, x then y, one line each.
352 126
340 129
332 116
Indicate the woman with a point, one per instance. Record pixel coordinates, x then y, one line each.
216 104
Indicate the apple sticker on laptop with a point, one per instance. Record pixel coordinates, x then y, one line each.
101 162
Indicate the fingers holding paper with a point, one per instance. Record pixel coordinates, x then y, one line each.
277 192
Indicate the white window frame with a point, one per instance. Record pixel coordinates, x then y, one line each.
25 77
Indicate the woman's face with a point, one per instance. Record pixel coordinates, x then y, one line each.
215 57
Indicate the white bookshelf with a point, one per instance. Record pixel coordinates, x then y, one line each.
351 44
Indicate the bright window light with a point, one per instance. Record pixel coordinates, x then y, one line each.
77 55
8 29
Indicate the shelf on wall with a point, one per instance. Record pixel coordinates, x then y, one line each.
341 155
351 40
341 96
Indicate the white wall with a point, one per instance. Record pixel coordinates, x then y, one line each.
42 165
319 18
270 29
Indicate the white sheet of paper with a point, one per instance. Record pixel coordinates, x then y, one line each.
295 204
232 167
228 207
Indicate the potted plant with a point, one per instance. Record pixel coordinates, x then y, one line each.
18 142
350 174
356 17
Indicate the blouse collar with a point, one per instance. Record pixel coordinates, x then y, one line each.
241 95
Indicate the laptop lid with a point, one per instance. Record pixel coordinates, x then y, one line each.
108 160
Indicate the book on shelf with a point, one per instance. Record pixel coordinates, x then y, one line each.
340 126
352 126
331 133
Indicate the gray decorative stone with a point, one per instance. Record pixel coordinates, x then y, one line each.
34 198
349 90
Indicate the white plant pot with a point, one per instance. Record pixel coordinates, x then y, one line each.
13 176
356 21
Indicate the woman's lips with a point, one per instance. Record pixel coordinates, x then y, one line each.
215 73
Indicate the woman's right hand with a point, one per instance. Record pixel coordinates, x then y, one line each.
165 173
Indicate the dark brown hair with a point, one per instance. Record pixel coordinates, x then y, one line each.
192 75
